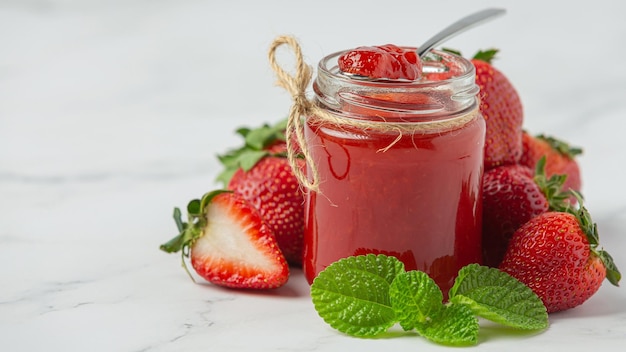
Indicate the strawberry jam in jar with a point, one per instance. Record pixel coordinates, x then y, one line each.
399 167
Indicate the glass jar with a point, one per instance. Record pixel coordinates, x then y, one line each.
399 168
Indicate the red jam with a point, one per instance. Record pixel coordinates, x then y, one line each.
416 197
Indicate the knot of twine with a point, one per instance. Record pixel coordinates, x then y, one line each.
297 84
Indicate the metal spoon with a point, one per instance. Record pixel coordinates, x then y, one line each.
452 30
459 27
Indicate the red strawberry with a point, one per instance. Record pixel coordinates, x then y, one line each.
512 195
385 61
556 254
260 172
228 243
560 158
272 188
501 107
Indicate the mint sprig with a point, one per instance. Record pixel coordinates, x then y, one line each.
366 295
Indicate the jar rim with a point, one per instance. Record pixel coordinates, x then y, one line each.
399 99
328 65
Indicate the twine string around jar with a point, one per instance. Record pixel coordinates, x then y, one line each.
296 85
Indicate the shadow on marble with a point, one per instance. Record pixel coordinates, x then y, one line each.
296 287
490 331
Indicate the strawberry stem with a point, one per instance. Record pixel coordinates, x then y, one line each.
591 231
189 232
560 146
551 187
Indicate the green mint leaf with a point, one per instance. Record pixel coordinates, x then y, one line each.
415 298
455 325
352 294
499 297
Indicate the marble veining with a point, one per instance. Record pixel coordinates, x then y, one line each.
112 112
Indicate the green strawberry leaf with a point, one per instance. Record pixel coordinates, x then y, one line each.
352 294
584 219
189 232
261 137
243 131
560 146
612 273
194 207
486 55
256 140
176 243
551 187
180 225
451 51
497 296
590 229
415 298
455 325
248 160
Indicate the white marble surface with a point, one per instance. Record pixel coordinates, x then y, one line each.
111 113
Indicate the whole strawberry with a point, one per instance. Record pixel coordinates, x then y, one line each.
501 107
228 243
272 188
260 172
556 254
560 158
512 195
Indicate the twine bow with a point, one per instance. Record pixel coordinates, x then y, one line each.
296 86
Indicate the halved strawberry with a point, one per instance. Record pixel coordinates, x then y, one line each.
272 188
228 243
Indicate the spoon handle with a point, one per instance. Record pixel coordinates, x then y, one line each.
458 27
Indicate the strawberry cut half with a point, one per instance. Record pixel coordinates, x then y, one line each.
228 243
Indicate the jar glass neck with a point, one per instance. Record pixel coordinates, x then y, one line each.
447 89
